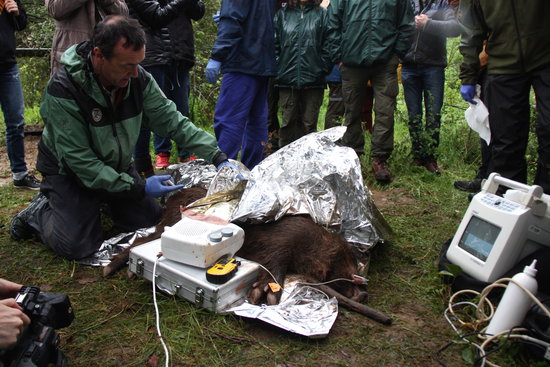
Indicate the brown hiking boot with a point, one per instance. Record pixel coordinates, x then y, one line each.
380 169
431 165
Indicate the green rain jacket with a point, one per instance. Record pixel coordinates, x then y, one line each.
369 32
301 46
517 34
85 136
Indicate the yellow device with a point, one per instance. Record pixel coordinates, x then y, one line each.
223 270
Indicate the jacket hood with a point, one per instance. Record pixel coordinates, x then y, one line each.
75 60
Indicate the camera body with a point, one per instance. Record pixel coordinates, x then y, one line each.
38 344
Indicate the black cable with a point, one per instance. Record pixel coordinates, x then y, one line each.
499 346
462 339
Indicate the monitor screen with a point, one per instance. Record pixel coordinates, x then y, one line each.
479 237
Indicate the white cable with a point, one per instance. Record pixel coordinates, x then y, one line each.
479 313
302 283
157 315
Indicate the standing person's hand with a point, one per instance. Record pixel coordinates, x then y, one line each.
11 7
212 71
468 92
12 321
421 20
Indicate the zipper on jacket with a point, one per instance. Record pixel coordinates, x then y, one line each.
425 6
300 38
107 96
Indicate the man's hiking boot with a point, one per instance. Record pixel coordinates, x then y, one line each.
19 226
431 165
380 170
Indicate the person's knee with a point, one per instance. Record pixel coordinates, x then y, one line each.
73 245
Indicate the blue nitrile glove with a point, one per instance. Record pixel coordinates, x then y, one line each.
212 71
233 167
468 92
216 17
156 186
334 76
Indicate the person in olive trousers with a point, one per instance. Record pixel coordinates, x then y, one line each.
368 38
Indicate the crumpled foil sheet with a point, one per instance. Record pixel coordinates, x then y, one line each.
314 175
306 311
113 246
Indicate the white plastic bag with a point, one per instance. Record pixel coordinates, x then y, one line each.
477 117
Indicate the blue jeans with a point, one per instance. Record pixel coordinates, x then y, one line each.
11 101
423 82
240 118
174 83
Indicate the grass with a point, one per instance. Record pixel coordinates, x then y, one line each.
115 319
115 322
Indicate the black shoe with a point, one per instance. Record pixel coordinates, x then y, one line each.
28 182
469 186
19 226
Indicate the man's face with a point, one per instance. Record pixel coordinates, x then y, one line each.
122 66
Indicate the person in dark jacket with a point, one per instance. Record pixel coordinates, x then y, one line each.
169 56
13 18
245 52
423 77
303 59
368 38
519 58
93 109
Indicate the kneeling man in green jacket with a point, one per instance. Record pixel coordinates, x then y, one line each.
93 109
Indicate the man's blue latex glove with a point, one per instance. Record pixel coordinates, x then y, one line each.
233 167
212 71
156 186
468 92
216 17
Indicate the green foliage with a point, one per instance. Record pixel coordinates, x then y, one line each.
40 27
35 72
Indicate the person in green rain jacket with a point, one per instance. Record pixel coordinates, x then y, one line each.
368 38
93 109
301 46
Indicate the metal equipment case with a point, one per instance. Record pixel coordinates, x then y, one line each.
190 282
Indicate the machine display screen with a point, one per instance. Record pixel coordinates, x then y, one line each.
479 237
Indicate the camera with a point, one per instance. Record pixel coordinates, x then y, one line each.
38 344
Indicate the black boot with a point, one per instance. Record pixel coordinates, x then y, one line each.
469 186
19 226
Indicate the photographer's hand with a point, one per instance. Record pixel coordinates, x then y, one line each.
8 289
12 321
